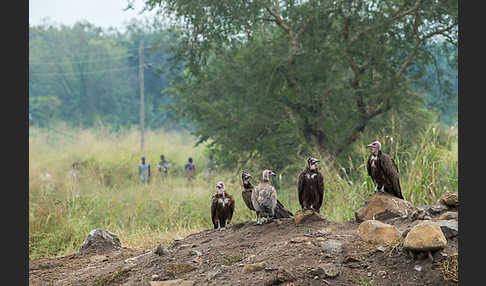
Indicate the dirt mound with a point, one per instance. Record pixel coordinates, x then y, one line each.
277 253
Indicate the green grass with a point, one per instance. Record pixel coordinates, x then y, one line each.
109 195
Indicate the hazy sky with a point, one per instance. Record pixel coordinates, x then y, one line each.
104 13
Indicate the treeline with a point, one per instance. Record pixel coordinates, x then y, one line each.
261 82
83 74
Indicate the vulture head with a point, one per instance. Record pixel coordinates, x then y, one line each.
375 146
267 174
312 163
245 177
220 187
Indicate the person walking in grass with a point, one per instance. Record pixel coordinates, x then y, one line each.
190 169
163 166
144 171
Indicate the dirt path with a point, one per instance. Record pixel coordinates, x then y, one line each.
291 255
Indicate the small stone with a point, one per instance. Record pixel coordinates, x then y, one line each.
161 250
100 240
155 276
376 232
178 238
306 216
253 267
369 274
418 268
327 270
299 239
448 215
427 217
450 199
381 273
331 246
177 282
381 248
450 228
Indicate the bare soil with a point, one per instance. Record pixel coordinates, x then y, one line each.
291 255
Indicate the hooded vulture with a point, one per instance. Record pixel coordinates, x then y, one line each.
310 187
264 197
383 170
222 207
279 212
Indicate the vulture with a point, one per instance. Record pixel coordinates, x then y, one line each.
310 187
279 212
383 170
222 207
264 198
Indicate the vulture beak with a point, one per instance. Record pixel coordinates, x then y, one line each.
370 145
316 161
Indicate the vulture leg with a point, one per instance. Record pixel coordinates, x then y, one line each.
376 189
258 219
219 226
382 190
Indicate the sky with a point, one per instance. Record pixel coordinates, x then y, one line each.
104 13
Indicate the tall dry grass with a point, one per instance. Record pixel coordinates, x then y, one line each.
110 196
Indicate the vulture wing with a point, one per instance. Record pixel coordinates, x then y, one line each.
368 165
213 211
320 185
281 211
231 207
390 171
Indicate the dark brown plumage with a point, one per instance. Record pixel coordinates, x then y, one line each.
222 207
310 187
384 172
247 190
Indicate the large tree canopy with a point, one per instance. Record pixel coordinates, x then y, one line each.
271 79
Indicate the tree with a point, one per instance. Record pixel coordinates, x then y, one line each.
323 71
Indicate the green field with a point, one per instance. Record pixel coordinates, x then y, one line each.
109 195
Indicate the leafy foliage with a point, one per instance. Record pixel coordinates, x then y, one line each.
269 80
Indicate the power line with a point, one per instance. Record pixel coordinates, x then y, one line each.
81 62
100 54
88 72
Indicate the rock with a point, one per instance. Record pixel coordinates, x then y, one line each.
299 239
306 216
213 274
280 277
418 268
376 232
380 248
253 267
382 207
450 199
161 250
448 215
450 228
177 282
328 270
331 246
425 236
433 209
99 241
155 276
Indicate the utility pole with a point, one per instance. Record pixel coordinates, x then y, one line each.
142 105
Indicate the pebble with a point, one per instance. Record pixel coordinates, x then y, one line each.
381 248
155 276
369 274
418 268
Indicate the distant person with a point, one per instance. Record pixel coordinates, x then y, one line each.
210 166
144 171
190 169
74 174
163 166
